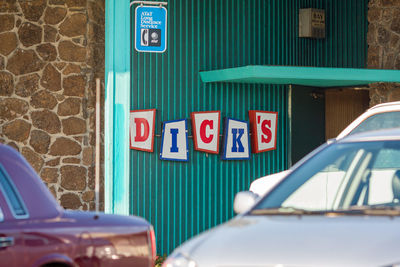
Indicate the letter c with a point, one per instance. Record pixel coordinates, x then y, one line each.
203 128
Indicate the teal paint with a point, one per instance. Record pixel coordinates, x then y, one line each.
307 76
117 104
183 199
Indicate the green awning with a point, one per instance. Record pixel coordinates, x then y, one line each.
307 76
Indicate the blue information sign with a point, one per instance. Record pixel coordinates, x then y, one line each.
151 29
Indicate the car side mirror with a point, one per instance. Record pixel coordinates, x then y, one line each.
244 201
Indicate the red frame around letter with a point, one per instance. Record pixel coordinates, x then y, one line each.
253 127
195 135
152 134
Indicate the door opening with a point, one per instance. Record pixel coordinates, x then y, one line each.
342 106
318 114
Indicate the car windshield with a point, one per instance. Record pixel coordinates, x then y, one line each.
342 177
379 121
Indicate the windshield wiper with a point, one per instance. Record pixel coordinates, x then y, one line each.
376 210
285 211
373 210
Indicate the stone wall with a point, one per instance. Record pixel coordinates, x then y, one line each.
384 46
51 51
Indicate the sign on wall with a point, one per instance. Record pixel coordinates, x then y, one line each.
206 134
174 143
236 140
141 129
312 23
264 130
205 127
150 29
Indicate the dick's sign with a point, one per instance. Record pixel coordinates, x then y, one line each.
206 134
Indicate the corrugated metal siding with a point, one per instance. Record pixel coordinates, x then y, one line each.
183 199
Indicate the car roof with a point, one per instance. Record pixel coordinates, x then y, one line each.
378 109
379 135
35 194
396 103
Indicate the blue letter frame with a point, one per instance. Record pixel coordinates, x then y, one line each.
227 121
186 138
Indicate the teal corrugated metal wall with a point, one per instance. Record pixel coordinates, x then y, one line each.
183 199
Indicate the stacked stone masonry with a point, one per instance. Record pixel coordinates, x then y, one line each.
51 52
384 46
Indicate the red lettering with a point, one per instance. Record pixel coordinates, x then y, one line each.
139 122
203 133
266 131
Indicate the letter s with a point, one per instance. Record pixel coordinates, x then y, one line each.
266 131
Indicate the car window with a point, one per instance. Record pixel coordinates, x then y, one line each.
379 187
341 177
318 193
11 195
387 158
379 121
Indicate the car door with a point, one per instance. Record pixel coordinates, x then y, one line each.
11 243
12 217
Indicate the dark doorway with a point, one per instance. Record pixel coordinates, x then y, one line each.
318 114
307 120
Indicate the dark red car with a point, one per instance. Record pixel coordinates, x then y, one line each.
36 231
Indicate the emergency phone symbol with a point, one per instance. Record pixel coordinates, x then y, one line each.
150 37
144 41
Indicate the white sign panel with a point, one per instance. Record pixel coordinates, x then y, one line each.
174 144
206 131
236 140
264 128
141 129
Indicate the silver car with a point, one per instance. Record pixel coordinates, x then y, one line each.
340 207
